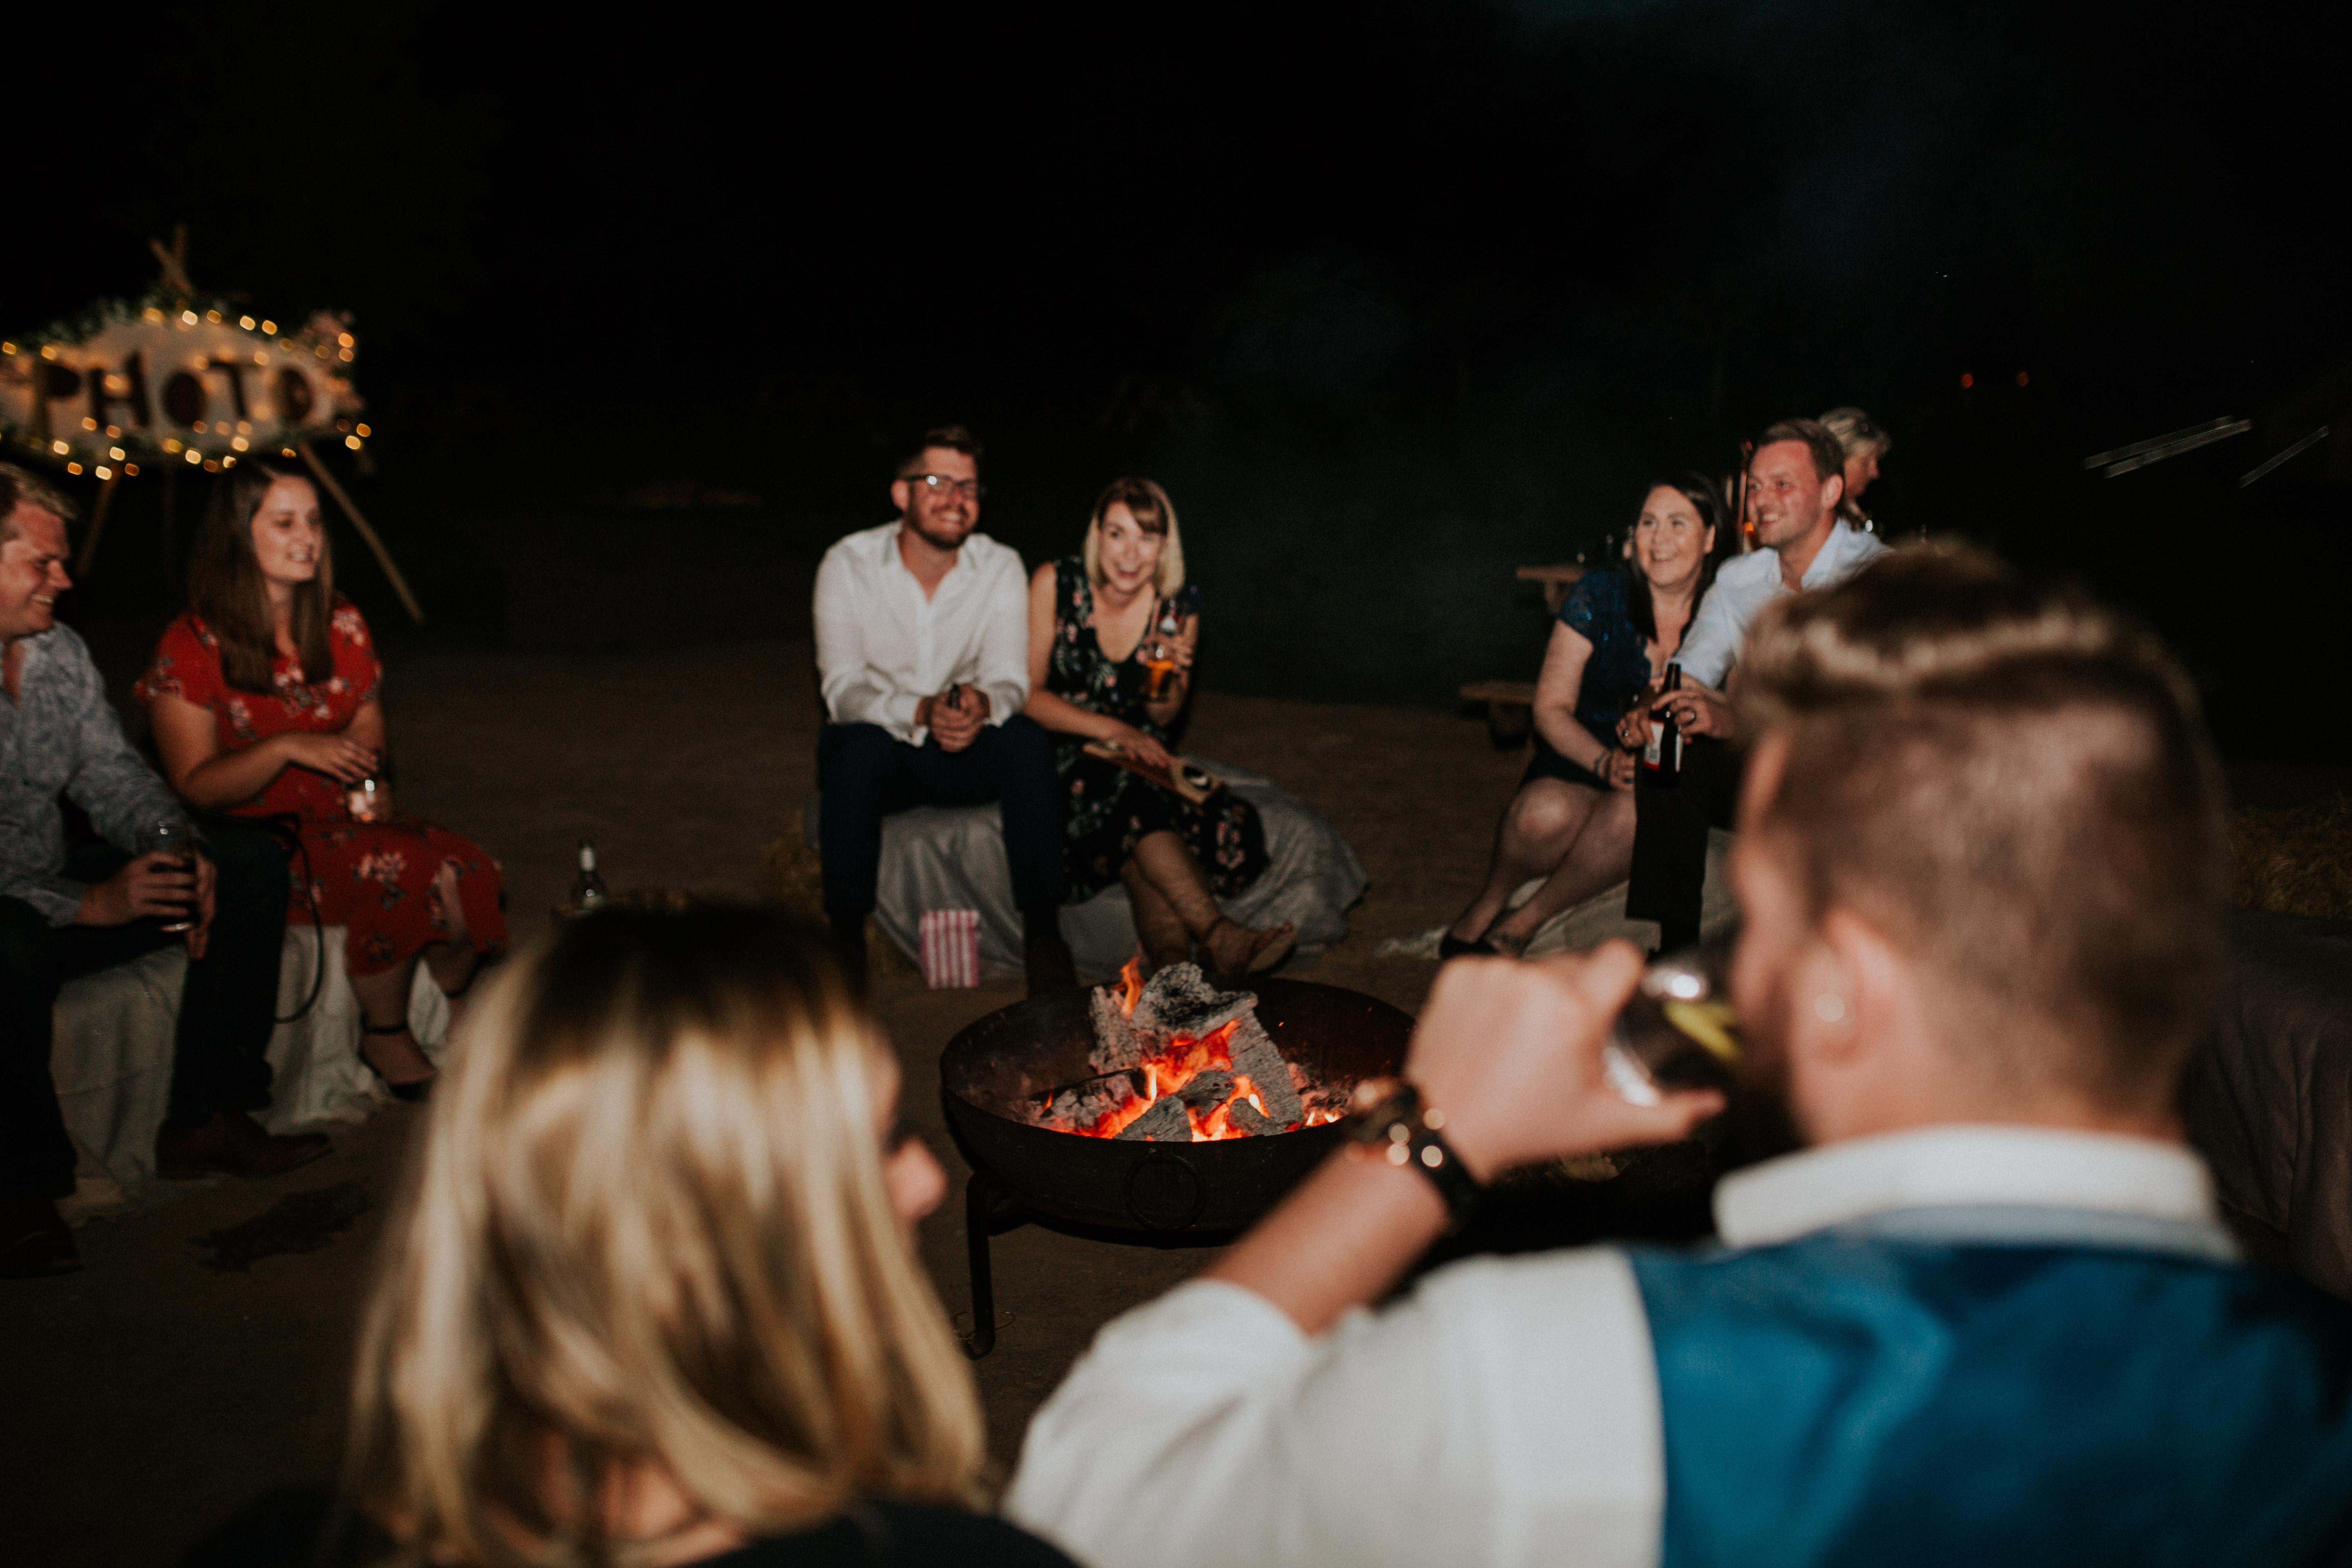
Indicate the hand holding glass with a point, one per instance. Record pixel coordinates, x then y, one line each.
176 841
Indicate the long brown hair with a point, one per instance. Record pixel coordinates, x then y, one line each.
225 585
648 1224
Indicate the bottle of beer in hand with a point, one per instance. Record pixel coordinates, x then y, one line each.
588 888
1661 757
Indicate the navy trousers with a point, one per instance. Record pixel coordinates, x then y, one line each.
228 1006
1669 877
867 774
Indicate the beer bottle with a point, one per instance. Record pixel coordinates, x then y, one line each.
588 887
1661 757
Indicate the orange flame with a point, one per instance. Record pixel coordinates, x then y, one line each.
1166 1072
1132 978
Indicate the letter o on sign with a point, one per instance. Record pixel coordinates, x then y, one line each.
295 399
183 398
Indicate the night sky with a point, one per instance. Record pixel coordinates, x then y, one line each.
1394 298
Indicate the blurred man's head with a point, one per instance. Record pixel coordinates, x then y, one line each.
1982 828
33 516
936 491
1795 481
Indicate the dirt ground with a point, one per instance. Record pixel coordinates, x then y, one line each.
201 1355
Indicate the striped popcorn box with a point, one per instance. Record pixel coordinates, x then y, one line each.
950 948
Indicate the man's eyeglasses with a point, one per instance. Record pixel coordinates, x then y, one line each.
940 485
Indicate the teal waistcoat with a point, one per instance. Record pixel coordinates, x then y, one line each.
1919 1390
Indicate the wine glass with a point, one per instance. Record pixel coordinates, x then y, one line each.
174 838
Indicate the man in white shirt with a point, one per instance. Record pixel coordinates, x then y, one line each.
1796 481
923 649
1989 1315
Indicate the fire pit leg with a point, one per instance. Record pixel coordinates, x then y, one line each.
980 1197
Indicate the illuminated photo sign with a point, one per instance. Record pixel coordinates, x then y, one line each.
156 383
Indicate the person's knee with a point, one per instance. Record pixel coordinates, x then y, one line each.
855 756
1541 813
1025 746
249 865
25 944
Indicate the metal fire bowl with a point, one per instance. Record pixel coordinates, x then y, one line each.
992 1071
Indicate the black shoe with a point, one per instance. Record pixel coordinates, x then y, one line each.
231 1145
1451 946
35 1240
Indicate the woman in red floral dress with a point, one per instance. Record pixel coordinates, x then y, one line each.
263 700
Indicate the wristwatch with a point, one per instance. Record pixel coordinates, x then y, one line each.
1387 1120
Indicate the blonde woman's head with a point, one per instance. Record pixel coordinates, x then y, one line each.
660 1224
1132 540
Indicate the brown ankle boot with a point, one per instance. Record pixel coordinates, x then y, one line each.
231 1144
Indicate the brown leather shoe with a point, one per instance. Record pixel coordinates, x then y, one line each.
35 1240
231 1144
1050 965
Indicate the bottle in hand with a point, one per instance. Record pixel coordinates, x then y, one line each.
175 840
588 890
1661 757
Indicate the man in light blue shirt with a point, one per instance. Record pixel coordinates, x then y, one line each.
1795 481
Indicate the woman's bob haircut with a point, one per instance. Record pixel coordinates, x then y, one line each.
647 1225
1153 513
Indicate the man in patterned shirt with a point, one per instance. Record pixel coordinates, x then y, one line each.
65 912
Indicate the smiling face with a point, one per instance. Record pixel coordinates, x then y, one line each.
941 514
32 572
287 534
1671 541
1785 497
1130 553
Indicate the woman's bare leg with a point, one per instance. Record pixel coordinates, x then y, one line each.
1538 828
1169 867
1157 923
384 999
1601 857
451 963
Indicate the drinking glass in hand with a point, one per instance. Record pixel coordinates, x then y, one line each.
176 841
1677 1031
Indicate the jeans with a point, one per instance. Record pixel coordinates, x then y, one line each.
1669 877
228 1007
866 773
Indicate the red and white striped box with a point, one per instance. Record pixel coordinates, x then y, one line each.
950 948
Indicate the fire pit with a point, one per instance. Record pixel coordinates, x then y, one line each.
1003 1076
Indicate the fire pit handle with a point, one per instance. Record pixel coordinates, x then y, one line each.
1164 1192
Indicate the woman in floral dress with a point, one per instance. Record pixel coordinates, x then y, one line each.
1091 619
264 698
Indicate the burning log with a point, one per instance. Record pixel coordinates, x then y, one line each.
1179 1060
1165 1122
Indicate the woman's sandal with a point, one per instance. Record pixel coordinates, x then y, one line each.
414 1091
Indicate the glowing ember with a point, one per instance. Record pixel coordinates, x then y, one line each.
1181 1061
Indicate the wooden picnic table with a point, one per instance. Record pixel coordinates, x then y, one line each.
1510 704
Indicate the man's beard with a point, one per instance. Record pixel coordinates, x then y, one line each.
923 530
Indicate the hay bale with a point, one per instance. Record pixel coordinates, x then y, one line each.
2295 861
793 881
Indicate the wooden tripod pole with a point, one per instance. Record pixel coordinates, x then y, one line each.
382 556
96 524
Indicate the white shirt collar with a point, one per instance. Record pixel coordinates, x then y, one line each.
1826 567
1962 1166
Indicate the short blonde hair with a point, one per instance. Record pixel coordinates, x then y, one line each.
648 1225
1154 513
1855 433
2015 785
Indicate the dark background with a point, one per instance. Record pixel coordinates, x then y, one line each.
1392 298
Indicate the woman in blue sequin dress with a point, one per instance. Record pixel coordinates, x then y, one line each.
1093 621
1571 822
